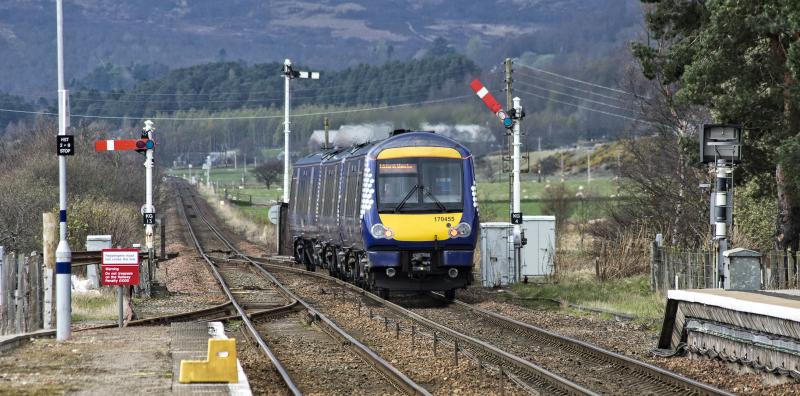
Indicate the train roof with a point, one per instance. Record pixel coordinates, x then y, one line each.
398 138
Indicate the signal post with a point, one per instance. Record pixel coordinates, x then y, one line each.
511 120
145 145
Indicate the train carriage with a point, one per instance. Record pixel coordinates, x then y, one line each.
398 214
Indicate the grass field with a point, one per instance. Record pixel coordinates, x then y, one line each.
631 296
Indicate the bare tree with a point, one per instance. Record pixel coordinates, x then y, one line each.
269 172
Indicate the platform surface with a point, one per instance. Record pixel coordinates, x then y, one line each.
189 341
783 304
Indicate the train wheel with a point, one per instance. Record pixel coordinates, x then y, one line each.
450 295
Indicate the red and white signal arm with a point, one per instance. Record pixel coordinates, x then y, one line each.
490 102
124 144
120 267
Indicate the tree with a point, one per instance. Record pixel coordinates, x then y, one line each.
269 172
741 59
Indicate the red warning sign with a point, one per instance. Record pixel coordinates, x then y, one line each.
120 267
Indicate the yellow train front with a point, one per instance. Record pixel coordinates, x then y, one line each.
400 214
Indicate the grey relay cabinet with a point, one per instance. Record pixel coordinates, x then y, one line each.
497 255
742 269
538 253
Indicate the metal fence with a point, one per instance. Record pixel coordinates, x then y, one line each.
22 282
673 268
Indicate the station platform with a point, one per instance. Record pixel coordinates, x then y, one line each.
759 329
189 341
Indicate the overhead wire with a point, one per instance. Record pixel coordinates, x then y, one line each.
516 72
574 96
586 108
574 79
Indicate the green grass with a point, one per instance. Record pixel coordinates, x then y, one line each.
257 214
629 296
90 306
495 191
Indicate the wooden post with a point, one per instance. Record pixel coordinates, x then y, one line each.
654 265
163 240
49 244
35 268
3 287
23 291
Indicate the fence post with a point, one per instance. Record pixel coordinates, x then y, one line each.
3 287
654 265
163 239
35 268
49 244
11 312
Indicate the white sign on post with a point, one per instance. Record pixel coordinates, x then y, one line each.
274 213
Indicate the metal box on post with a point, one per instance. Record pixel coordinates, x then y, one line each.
742 269
96 243
539 252
497 263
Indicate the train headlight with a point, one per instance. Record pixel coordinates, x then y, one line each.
381 232
462 230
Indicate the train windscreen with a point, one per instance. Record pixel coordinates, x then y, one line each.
421 185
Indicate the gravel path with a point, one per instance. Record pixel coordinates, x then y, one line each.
99 362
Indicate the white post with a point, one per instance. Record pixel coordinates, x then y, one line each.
63 252
148 198
287 76
208 171
234 160
516 187
588 167
721 220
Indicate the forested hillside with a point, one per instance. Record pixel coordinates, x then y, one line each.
327 35
232 85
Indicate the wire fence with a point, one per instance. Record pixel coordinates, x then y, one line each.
674 268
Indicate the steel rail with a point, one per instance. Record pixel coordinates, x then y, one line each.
398 379
581 347
287 379
509 362
598 353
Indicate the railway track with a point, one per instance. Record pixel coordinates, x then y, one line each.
595 369
600 369
251 281
614 373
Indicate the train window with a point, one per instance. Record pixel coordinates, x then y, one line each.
442 178
420 185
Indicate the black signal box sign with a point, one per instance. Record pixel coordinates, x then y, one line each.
65 145
516 218
149 218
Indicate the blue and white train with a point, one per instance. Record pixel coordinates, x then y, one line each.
399 214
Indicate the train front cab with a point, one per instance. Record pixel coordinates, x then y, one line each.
420 219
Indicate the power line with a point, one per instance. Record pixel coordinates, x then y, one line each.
586 108
574 97
574 79
385 107
570 87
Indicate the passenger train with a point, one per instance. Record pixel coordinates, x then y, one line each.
399 214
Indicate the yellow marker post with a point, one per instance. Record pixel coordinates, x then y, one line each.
219 366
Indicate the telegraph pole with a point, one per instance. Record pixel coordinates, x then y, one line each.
63 252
